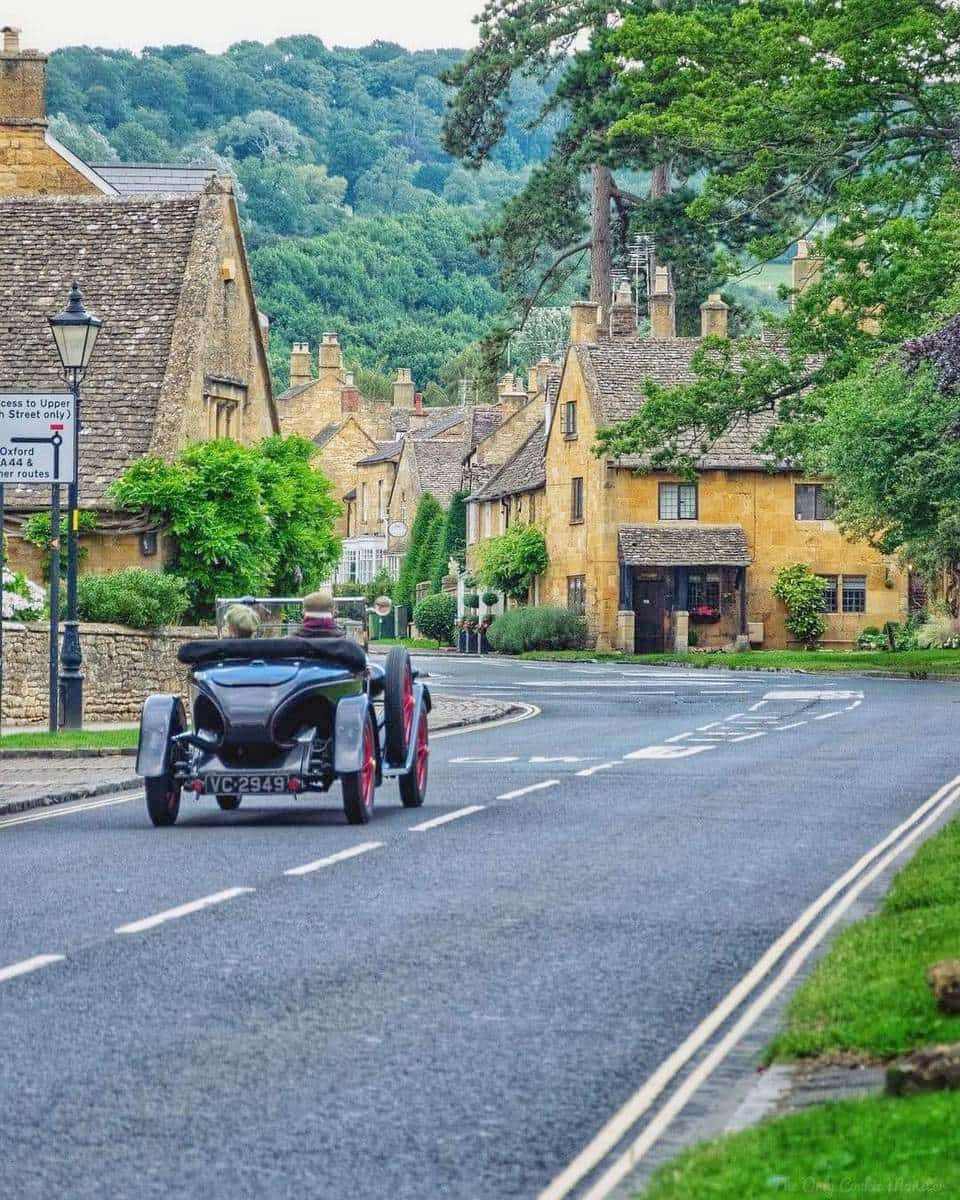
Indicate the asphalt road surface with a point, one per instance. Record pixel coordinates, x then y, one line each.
454 1009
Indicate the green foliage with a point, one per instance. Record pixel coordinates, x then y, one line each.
23 600
433 552
435 617
454 542
37 527
134 597
939 633
510 563
471 600
490 599
247 519
522 629
380 585
801 592
411 569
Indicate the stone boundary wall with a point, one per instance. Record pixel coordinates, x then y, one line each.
121 668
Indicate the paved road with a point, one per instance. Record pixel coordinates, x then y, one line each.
453 1011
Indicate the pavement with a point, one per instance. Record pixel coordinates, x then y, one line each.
447 1002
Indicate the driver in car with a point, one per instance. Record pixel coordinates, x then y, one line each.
318 618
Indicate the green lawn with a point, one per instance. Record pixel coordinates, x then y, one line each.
106 739
875 1147
410 643
916 663
869 994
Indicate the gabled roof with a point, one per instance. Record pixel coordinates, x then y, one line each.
132 258
388 452
436 466
298 390
524 472
484 419
328 432
615 371
451 419
681 545
132 179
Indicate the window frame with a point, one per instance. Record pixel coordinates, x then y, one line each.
853 591
832 588
577 500
823 508
679 490
577 595
569 423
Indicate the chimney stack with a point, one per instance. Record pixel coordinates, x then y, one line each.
584 317
330 363
300 364
713 316
23 80
623 313
418 402
806 268
403 389
349 395
511 393
663 305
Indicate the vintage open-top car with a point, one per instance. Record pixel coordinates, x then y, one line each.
284 717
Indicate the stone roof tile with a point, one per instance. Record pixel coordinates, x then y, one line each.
684 545
437 467
524 472
388 451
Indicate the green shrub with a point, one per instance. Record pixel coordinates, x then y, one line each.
939 633
490 599
36 530
471 600
380 585
413 565
801 592
435 617
521 629
137 598
512 562
871 638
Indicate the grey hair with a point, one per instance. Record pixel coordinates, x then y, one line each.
241 621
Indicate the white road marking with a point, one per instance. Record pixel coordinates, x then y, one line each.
622 1121
64 810
533 787
529 710
855 704
659 752
792 725
560 758
732 717
793 694
754 707
466 758
826 716
340 856
454 816
585 774
28 965
182 910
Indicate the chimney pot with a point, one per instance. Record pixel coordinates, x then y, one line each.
403 388
11 39
713 316
584 317
623 314
300 364
663 305
418 402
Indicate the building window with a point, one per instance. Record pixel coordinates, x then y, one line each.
813 502
570 419
703 591
576 498
854 593
678 501
363 503
577 594
829 593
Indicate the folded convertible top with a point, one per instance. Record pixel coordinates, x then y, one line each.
340 652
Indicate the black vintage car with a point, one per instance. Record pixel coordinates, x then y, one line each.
285 717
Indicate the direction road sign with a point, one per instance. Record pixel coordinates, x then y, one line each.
37 437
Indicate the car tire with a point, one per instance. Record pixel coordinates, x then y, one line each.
163 800
413 785
398 705
229 803
359 787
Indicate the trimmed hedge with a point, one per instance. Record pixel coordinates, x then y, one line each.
435 617
522 629
137 598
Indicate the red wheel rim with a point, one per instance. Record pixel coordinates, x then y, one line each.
368 767
407 706
423 753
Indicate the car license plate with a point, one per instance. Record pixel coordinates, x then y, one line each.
241 785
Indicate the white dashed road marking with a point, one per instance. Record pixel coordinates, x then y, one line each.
340 856
812 695
585 774
507 758
454 816
183 910
659 752
28 965
524 791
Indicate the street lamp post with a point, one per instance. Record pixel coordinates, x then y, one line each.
75 332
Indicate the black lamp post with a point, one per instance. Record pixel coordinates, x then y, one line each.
75 332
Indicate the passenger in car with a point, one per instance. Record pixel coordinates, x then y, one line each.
241 621
318 618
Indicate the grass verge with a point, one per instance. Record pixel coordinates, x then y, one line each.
860 1147
410 643
917 664
102 739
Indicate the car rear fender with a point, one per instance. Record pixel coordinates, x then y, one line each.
162 718
348 733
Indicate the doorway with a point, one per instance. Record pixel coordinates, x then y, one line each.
648 609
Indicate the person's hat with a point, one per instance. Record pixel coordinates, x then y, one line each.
319 603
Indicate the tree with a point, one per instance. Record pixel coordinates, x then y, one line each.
802 594
510 563
454 541
428 510
435 617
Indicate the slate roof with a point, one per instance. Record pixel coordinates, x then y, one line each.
524 472
484 419
131 257
290 393
387 452
437 467
684 545
132 179
328 432
453 418
616 370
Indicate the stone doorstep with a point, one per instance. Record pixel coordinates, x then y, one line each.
498 710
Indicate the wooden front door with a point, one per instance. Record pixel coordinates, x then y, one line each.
648 604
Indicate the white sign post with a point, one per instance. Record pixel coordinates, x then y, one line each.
37 437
